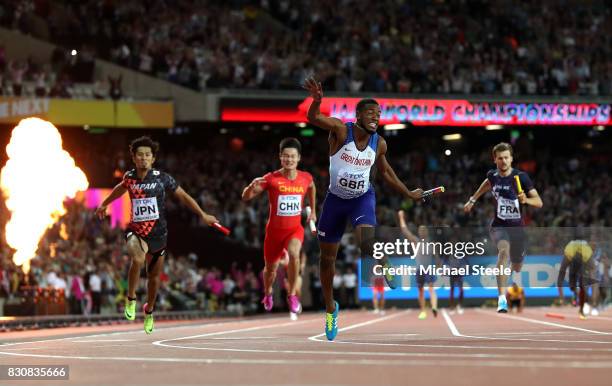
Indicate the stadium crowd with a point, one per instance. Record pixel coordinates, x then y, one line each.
89 256
505 47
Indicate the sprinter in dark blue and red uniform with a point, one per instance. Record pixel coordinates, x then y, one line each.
147 231
507 228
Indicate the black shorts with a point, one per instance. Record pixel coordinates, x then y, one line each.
156 247
517 238
514 303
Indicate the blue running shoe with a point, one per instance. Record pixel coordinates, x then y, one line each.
502 305
331 323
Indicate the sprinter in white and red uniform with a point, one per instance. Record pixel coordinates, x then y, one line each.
286 189
354 148
147 232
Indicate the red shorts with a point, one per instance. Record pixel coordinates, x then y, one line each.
378 290
277 240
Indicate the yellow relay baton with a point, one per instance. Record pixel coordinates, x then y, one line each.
518 184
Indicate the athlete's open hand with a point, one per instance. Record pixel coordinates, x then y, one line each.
314 88
209 219
101 212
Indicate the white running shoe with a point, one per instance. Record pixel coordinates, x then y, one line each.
594 312
459 310
293 316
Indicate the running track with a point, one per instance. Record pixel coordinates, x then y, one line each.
479 347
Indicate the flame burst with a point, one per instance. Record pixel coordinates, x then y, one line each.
35 181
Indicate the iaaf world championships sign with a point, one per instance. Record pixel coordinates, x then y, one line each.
466 113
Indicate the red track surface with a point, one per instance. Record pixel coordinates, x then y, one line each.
479 347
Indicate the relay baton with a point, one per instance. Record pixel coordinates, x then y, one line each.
221 228
518 184
432 192
311 224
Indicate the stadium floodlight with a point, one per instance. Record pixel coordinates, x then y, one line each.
395 126
451 137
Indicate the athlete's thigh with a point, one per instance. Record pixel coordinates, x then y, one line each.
136 247
363 210
332 222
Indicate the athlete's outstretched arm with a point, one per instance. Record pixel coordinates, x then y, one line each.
315 116
189 202
531 198
404 227
254 189
312 198
482 189
117 192
389 175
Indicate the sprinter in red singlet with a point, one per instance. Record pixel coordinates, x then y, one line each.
286 188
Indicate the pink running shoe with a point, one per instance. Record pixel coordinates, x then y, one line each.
294 304
268 302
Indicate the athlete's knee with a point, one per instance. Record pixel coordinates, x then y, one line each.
516 267
503 255
138 258
327 261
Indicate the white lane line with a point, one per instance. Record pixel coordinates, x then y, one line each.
606 363
140 331
526 333
571 315
529 320
248 329
377 320
102 340
247 337
450 324
455 332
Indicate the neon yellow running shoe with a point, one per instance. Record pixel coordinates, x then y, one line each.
130 309
422 315
148 320
389 278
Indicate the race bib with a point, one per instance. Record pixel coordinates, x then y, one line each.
144 209
353 184
289 205
508 209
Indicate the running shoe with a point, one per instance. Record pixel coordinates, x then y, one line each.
389 278
435 312
130 309
502 305
294 304
594 312
460 310
293 316
331 323
422 315
148 320
582 316
268 302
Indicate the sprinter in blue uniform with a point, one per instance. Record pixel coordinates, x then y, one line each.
353 149
507 228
